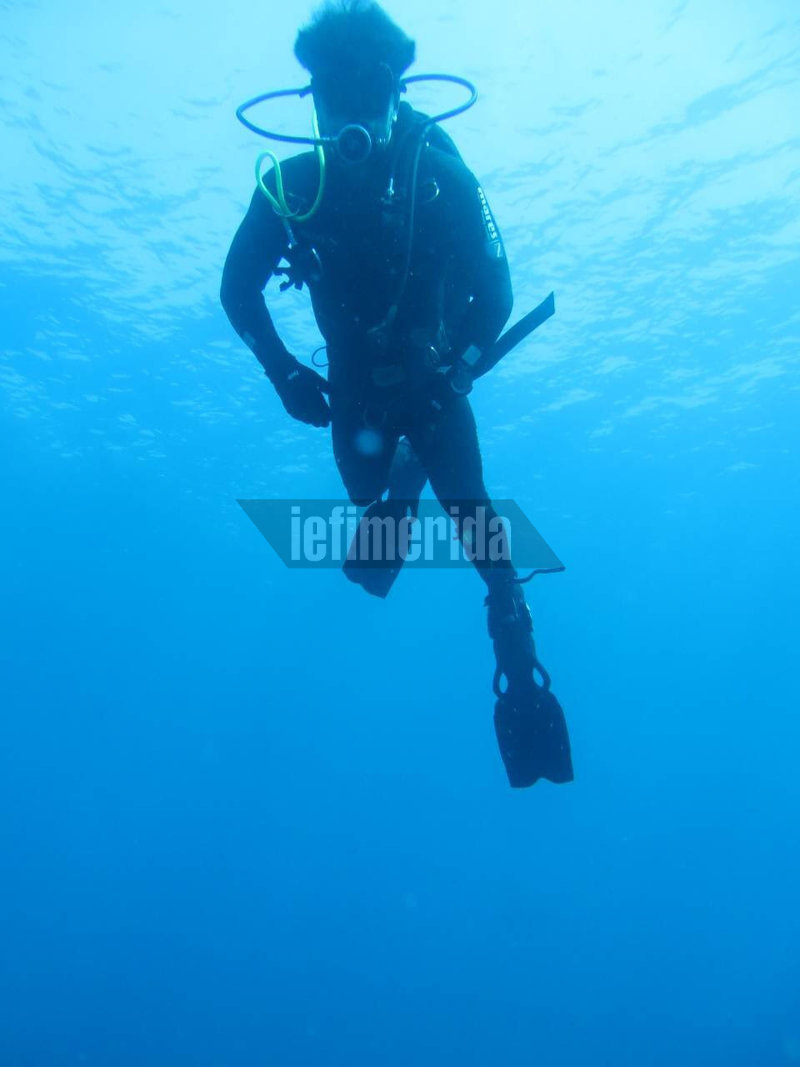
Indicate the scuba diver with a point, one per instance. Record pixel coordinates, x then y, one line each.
410 287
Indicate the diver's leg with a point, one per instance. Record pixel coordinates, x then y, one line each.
371 460
446 443
529 722
448 446
407 476
363 453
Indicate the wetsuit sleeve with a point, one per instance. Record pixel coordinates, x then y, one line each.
479 265
255 251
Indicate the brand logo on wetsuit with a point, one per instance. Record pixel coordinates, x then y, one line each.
492 233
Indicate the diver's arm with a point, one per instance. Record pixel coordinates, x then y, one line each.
255 251
480 255
257 247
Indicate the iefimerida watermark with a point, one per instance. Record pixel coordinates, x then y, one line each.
386 536
328 533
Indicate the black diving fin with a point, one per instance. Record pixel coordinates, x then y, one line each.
375 556
528 720
532 736
379 547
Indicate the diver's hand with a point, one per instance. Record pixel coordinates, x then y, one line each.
459 378
300 389
462 373
449 383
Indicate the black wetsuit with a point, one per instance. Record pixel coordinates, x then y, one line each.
457 294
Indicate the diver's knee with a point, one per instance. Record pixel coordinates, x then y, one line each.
362 491
362 501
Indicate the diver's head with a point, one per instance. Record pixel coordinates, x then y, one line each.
356 56
358 110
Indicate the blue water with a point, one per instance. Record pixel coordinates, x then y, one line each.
249 816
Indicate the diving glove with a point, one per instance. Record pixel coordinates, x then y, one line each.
301 391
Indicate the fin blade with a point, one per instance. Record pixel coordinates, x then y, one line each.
532 737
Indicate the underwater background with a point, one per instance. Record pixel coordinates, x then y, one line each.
249 815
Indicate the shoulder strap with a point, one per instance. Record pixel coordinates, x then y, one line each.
439 138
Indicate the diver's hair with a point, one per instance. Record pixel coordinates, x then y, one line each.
344 35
